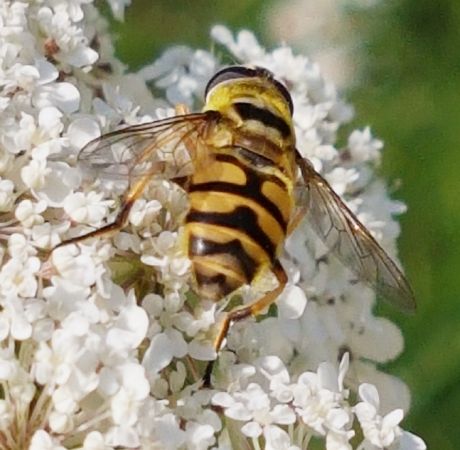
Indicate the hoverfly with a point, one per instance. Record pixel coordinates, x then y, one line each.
242 191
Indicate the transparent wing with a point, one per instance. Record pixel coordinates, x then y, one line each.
351 242
140 150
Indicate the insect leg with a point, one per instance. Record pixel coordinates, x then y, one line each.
120 221
242 312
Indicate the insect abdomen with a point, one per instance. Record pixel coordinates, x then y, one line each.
236 223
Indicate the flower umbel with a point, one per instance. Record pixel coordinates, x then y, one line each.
103 344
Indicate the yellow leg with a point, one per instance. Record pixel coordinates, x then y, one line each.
120 220
242 312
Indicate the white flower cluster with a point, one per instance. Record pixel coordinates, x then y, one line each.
264 397
102 345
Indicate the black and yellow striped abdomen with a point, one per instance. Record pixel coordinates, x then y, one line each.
241 192
237 221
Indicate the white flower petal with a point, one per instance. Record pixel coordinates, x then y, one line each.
159 354
41 440
273 368
283 415
81 131
122 436
251 429
392 419
369 394
337 418
223 399
238 411
64 96
291 302
129 330
276 438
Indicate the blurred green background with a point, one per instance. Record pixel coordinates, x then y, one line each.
405 57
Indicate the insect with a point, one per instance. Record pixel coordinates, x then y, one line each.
241 191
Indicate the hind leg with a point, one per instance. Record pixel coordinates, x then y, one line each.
253 309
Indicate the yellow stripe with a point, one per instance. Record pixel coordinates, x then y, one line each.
220 171
223 202
223 235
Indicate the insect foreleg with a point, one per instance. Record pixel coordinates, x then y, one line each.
120 221
241 312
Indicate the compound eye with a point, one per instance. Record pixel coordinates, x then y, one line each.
230 73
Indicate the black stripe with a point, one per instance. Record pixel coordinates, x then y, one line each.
251 190
254 175
243 219
247 111
243 191
204 247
